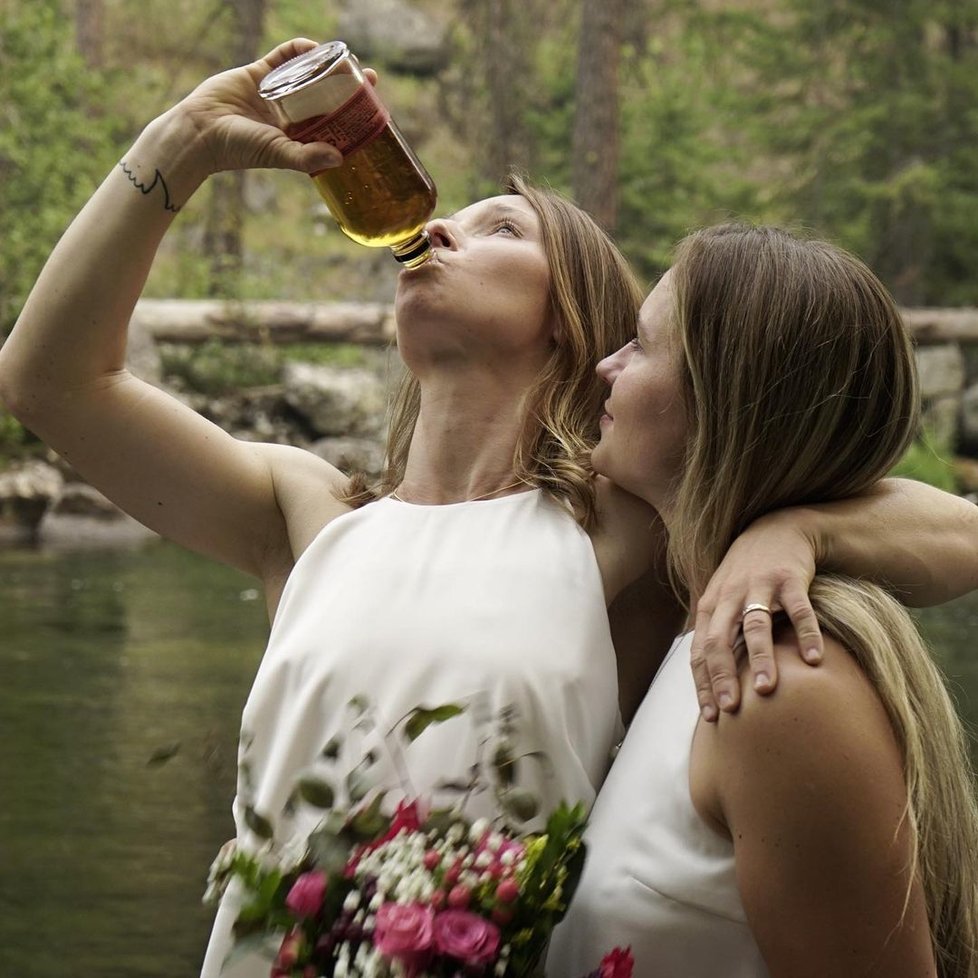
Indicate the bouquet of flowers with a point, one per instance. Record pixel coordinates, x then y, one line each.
420 893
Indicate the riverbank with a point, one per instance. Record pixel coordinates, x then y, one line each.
317 375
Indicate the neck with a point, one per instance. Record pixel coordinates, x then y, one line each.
464 442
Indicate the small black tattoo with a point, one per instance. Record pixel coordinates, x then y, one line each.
145 188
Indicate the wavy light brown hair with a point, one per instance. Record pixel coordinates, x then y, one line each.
800 387
595 298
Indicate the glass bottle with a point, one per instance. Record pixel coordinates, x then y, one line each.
380 195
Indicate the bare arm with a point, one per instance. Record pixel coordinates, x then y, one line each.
62 368
809 786
917 541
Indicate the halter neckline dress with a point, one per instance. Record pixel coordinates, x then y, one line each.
497 604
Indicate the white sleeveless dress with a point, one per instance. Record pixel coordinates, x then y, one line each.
657 877
492 603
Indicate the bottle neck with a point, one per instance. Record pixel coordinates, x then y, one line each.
413 251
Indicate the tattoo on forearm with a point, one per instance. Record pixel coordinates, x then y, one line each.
146 188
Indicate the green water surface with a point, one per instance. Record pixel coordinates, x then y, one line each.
107 661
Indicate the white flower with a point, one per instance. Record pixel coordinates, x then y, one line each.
352 901
342 967
454 834
479 828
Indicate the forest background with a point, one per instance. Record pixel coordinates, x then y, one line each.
857 119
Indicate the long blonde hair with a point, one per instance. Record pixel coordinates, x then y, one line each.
800 387
595 298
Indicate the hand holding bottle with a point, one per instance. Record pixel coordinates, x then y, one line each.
228 126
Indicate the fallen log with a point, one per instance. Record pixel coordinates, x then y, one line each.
372 323
195 321
942 325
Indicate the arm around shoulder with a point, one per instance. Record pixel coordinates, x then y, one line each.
916 540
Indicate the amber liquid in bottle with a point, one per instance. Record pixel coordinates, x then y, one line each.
377 197
380 195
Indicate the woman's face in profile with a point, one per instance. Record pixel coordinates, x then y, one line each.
643 429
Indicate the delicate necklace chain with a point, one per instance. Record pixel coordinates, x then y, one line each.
474 499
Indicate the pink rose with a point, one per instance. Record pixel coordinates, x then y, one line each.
305 899
403 930
617 964
466 936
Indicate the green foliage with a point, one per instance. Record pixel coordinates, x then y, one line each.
12 434
55 140
840 116
216 368
872 117
928 461
219 368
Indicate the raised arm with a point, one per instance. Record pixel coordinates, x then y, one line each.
62 370
917 541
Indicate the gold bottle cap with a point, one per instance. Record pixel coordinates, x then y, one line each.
302 70
413 252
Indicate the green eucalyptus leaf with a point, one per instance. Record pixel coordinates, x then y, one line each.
459 787
370 822
505 764
332 750
358 785
442 819
330 849
420 718
316 791
519 803
258 824
359 704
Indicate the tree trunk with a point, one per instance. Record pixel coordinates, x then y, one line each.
225 214
594 166
505 72
88 30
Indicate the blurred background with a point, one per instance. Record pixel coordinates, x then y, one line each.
124 665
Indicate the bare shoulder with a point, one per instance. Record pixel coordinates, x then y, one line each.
808 784
629 538
307 489
820 740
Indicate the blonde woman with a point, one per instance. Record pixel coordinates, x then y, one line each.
831 829
486 561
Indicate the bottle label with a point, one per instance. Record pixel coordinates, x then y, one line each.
355 123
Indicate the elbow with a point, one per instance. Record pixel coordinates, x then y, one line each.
12 398
20 395
10 395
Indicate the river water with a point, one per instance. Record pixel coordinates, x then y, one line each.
122 677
